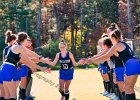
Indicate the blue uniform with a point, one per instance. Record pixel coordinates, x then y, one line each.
66 71
119 68
9 71
1 80
5 51
103 67
23 70
131 64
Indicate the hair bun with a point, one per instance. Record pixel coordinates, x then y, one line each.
8 33
62 41
113 26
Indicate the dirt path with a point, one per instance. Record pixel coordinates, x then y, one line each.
86 85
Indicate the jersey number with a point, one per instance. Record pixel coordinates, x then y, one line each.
65 66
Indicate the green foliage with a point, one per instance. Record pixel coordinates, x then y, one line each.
108 9
50 50
2 45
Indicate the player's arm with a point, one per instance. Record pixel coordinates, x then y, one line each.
54 61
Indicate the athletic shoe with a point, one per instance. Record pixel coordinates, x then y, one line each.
30 97
114 97
109 95
105 93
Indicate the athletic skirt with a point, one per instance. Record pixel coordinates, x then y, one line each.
23 70
132 67
66 74
9 72
119 71
103 69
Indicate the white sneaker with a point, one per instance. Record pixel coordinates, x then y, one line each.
114 97
105 93
110 94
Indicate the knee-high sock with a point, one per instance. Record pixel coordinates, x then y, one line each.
123 95
105 85
116 89
67 95
133 96
12 99
29 85
108 85
130 97
22 95
1 98
62 93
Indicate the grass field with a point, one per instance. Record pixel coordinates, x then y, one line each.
86 85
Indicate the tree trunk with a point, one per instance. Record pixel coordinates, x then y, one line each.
38 24
57 22
129 12
72 35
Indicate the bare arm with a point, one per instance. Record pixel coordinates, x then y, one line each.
106 56
28 61
34 56
55 60
72 59
101 53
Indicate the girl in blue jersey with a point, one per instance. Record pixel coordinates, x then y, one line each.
131 64
9 40
114 85
103 67
24 70
118 72
9 72
66 71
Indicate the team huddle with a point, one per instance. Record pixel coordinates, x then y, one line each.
118 66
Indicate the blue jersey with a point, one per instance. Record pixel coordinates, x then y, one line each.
65 62
12 58
117 61
5 51
126 54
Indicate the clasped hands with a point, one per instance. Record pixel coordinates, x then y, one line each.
84 61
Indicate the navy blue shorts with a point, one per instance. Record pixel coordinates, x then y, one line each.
119 74
23 71
9 72
103 69
66 74
132 67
